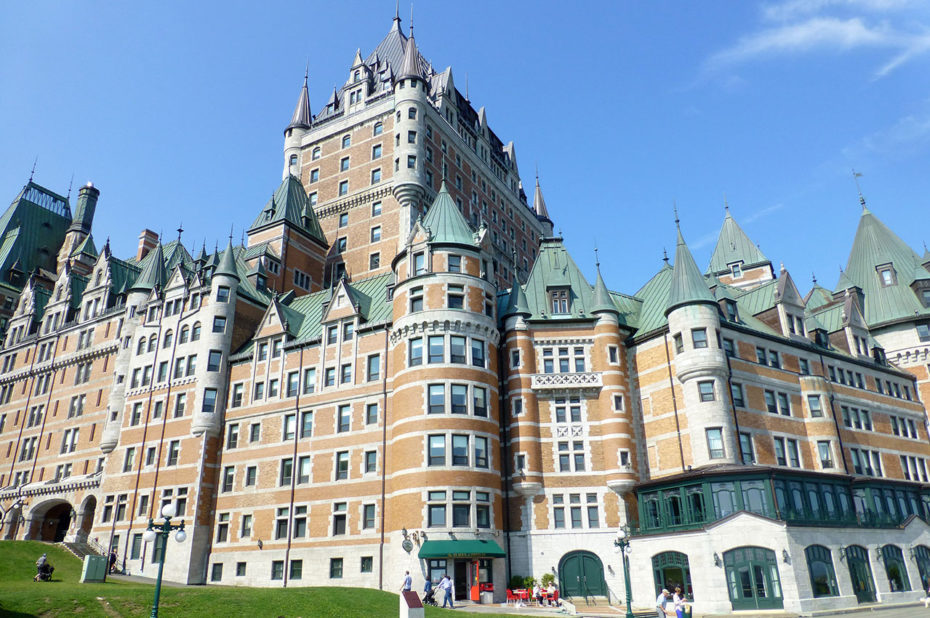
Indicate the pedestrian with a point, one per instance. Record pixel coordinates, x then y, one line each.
446 586
408 582
664 600
112 568
680 601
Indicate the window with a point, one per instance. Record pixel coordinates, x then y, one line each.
455 298
229 475
345 374
805 369
436 349
344 164
214 359
820 567
341 245
232 436
895 569
216 571
376 233
376 209
784 404
373 370
343 187
456 350
346 141
174 450
306 424
277 569
459 450
339 518
699 337
315 154
437 399
415 355
459 399
219 324
419 267
480 401
761 356
571 454
559 301
715 443
371 414
377 130
706 390
416 300
344 418
736 390
770 404
290 422
481 452
285 473
374 261
371 461
437 450
329 376
251 473
335 568
342 465
455 263
679 343
745 445
826 454
813 402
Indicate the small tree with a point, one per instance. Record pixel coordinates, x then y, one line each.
528 582
546 579
516 581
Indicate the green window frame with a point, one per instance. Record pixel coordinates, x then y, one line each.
822 573
895 569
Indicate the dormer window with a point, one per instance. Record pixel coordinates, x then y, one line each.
357 76
736 270
886 274
732 312
419 264
559 301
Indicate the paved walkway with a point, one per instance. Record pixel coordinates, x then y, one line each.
138 579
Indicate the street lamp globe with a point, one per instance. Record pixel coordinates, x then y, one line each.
181 536
148 536
621 534
168 511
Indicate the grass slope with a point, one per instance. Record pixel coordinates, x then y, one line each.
65 596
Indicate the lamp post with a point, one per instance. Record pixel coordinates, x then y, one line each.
623 542
162 531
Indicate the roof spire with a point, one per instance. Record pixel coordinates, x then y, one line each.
726 204
814 278
466 87
665 256
539 204
411 20
71 184
688 286
180 230
411 65
856 176
301 118
677 221
33 172
602 301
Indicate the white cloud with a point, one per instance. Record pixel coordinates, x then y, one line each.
799 27
759 214
909 132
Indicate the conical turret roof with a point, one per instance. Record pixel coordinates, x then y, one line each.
445 222
602 302
301 118
227 265
153 274
539 204
687 285
290 203
733 245
411 66
516 302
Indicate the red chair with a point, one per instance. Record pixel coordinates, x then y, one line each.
510 597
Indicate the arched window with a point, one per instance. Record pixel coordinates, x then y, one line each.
153 341
293 160
895 569
378 129
346 141
169 335
316 153
141 347
184 334
922 558
195 332
820 566
671 569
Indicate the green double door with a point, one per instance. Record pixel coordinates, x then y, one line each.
581 573
860 573
752 578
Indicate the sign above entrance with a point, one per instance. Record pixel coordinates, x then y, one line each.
473 548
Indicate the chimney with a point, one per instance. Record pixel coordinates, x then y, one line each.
86 205
147 241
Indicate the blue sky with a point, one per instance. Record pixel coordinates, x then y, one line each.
176 110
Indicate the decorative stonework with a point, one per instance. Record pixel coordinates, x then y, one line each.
553 384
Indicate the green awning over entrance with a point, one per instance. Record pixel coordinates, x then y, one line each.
473 548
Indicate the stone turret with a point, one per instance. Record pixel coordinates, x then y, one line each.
700 364
410 104
300 124
81 223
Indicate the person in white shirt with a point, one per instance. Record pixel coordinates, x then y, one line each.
446 586
664 600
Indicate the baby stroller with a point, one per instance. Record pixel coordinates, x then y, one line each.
45 573
429 597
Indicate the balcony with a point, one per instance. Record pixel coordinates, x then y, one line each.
556 383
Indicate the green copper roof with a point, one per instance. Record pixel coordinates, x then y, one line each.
227 264
760 298
32 230
602 299
290 204
516 300
554 268
875 245
86 247
153 273
654 296
445 222
688 285
818 297
734 246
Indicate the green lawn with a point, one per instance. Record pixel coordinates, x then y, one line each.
64 596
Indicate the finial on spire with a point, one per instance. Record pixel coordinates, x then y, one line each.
814 278
33 172
231 232
411 20
726 204
665 256
397 10
180 231
71 184
537 172
307 72
466 88
856 176
675 210
597 260
514 255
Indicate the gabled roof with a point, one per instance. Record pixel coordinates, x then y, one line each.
290 204
86 247
875 245
734 246
818 297
554 267
687 285
32 230
446 223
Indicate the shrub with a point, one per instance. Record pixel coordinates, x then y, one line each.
546 579
516 581
528 582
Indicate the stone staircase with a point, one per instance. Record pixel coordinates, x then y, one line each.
79 549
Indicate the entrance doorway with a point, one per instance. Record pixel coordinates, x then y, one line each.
581 574
461 578
752 578
861 573
922 556
55 523
671 569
